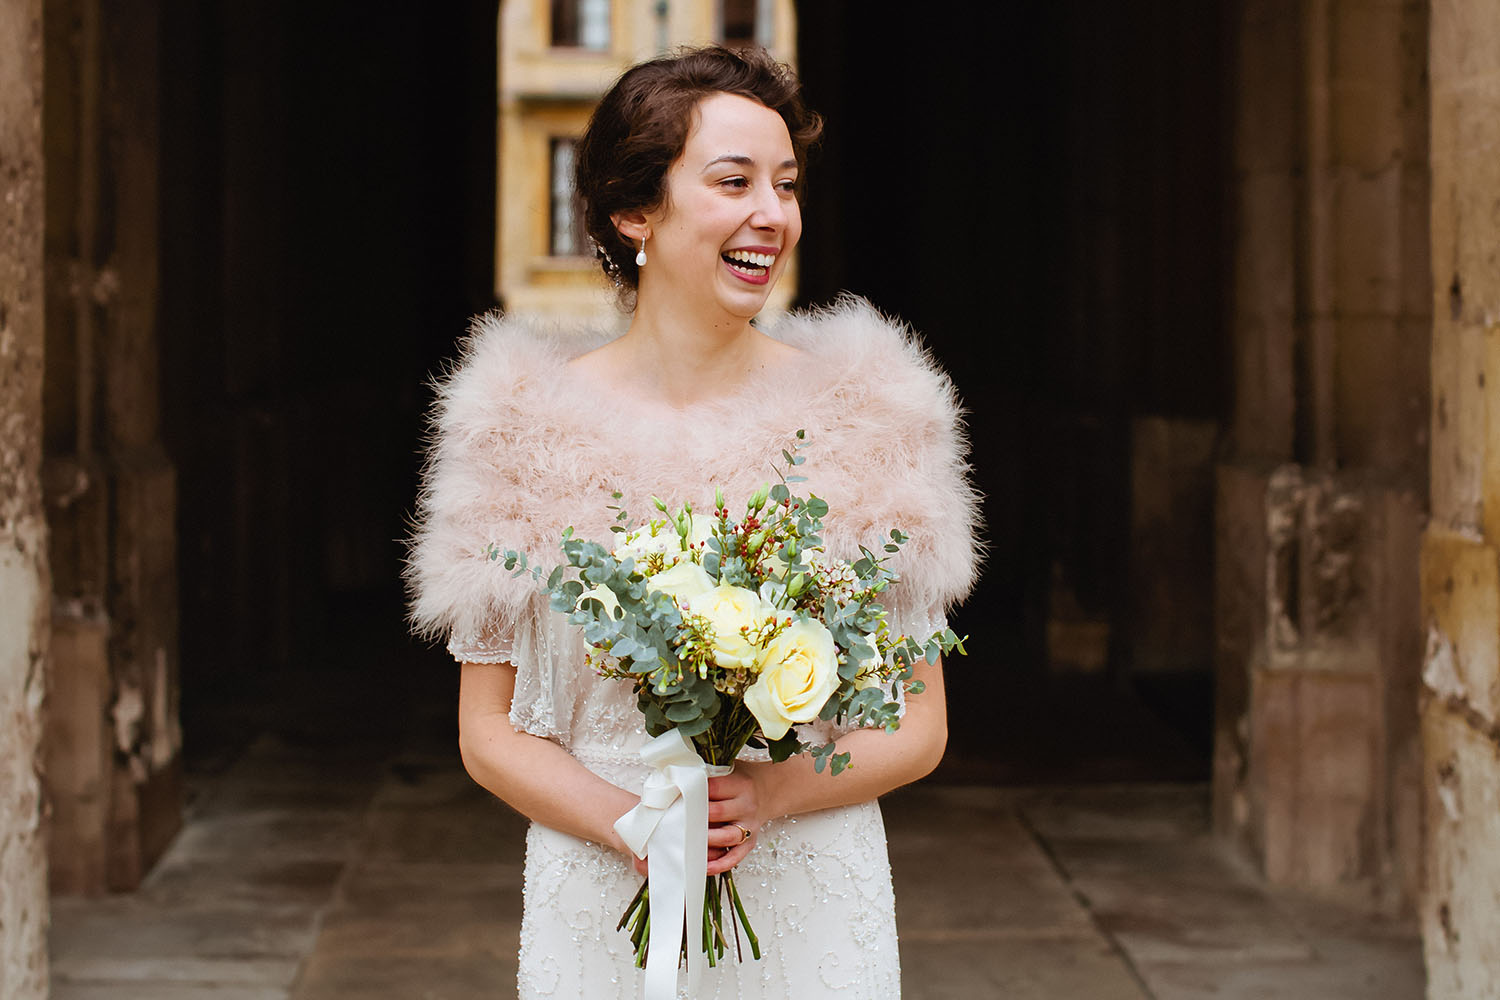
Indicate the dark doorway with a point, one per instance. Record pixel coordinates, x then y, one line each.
1038 189
327 228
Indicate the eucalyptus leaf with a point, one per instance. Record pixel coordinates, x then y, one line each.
786 746
695 728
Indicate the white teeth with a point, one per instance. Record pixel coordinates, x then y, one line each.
753 259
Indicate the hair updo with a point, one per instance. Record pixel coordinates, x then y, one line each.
641 125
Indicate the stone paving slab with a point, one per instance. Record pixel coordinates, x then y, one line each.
420 932
478 832
1177 900
1195 922
129 938
1117 812
273 774
179 880
330 977
292 834
973 890
397 888
159 990
1082 967
1397 979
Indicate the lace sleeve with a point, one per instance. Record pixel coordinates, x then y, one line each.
547 655
494 643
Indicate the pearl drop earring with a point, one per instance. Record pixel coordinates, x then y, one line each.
640 258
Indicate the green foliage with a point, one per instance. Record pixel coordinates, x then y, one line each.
775 549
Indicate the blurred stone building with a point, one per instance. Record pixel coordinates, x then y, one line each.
1220 284
556 61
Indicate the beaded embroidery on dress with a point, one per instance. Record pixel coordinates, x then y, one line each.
525 446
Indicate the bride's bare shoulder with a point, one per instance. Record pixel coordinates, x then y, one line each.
599 363
776 352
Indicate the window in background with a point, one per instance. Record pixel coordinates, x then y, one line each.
568 235
737 18
580 24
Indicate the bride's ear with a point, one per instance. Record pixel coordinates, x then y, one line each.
632 226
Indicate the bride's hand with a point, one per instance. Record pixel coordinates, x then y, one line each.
734 819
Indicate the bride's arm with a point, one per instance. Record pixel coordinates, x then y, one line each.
759 792
536 777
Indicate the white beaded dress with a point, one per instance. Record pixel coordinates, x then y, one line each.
525 446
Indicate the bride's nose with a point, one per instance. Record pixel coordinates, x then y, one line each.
770 210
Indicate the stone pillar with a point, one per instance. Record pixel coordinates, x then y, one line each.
1320 501
24 585
1461 548
112 740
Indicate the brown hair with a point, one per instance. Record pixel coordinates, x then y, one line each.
641 126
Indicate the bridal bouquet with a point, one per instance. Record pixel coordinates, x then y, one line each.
733 630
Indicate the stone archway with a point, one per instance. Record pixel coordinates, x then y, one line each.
1367 303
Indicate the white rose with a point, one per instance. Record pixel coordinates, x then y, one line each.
731 611
683 582
798 673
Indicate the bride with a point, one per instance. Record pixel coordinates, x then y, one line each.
690 172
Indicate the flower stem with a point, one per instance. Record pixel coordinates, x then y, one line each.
739 907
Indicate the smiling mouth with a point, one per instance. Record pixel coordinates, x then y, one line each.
753 264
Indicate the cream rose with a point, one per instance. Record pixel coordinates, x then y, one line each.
798 672
731 610
683 582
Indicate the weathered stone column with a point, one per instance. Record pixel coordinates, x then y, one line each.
112 742
24 586
1321 501
1461 548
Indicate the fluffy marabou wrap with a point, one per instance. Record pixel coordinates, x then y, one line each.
523 445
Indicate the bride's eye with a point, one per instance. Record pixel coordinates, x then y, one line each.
735 182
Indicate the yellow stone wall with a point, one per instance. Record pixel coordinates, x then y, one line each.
24 572
547 93
1461 548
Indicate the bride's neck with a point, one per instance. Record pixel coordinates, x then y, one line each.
685 359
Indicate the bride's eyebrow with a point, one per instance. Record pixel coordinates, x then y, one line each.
742 160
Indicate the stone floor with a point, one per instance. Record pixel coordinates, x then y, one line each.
336 873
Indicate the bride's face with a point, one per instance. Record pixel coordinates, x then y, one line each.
731 217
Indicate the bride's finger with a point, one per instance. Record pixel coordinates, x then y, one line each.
728 835
729 810
727 785
731 857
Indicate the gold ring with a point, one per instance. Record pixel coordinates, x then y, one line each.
746 833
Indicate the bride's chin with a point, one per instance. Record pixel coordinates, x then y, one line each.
748 306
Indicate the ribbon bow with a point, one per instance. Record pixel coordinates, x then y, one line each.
670 830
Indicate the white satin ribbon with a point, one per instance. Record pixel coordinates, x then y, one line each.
670 830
